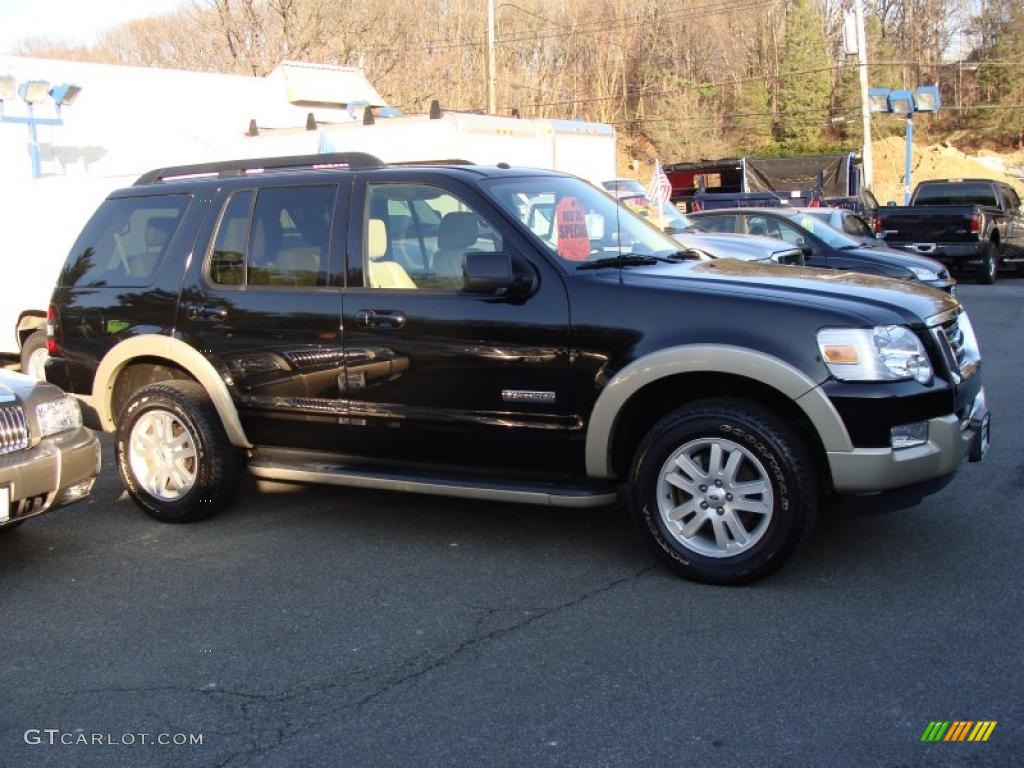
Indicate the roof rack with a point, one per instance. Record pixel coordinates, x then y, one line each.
451 161
353 160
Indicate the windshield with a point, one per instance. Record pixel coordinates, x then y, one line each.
832 236
578 222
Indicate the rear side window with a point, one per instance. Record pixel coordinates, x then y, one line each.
724 223
124 242
282 239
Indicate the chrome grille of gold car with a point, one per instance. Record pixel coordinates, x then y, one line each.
13 429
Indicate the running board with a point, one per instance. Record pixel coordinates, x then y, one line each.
545 494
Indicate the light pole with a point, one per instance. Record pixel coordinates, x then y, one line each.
34 92
925 98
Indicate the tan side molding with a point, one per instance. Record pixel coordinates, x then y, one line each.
182 355
707 358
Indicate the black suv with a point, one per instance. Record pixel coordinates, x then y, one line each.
505 335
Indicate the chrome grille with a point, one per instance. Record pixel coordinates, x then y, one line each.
13 429
956 337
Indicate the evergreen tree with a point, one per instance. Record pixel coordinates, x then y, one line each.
806 85
846 103
752 123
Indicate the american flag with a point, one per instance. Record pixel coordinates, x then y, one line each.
660 189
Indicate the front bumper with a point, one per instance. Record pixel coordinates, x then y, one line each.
57 471
950 440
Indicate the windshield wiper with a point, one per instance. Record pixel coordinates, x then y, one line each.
633 260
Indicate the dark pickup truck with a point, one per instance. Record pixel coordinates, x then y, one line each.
963 223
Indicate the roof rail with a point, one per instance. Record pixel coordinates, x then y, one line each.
451 161
354 160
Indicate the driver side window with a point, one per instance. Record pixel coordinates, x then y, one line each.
416 237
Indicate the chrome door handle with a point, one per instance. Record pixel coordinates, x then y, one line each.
203 312
380 318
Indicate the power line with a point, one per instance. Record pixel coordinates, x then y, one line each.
597 25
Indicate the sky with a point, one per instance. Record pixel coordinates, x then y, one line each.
78 20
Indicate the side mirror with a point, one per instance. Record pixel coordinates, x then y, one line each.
491 274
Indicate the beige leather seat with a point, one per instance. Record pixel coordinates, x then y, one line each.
383 274
457 232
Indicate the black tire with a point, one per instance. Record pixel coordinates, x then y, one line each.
781 454
217 464
35 342
985 272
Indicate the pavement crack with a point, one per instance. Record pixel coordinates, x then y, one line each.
495 634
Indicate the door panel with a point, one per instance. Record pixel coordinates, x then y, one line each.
430 371
262 307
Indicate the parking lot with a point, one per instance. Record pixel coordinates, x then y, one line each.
323 626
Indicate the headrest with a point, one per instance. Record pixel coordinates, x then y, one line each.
376 239
458 230
159 231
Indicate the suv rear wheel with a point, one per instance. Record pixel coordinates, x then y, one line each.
173 455
34 356
723 490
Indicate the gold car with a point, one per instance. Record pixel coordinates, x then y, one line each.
47 458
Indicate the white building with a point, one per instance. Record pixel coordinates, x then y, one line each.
127 120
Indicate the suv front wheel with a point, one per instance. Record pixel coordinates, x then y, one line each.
173 455
723 490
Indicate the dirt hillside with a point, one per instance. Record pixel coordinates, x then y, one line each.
935 161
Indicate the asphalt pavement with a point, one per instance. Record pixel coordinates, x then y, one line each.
310 626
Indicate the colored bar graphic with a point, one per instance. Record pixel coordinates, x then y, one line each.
982 730
935 731
958 730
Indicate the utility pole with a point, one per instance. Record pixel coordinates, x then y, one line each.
492 67
867 158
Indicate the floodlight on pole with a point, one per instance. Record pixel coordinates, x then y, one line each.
64 95
901 102
927 98
878 99
34 91
924 98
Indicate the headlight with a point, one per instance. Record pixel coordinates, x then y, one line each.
923 273
58 415
883 353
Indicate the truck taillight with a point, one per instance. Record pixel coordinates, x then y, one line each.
52 331
975 223
876 224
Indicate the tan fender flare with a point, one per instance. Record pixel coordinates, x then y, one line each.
182 355
707 358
